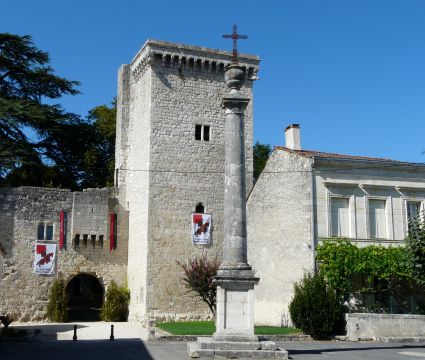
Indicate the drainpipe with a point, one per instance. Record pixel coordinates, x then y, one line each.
313 219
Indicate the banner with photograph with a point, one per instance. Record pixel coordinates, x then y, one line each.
44 261
201 228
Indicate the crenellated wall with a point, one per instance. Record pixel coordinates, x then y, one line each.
24 294
174 87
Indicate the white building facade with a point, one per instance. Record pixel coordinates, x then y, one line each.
305 197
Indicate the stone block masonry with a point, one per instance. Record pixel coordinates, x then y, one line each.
173 88
24 294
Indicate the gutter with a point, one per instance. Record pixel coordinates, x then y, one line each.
313 218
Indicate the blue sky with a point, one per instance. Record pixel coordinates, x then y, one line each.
350 72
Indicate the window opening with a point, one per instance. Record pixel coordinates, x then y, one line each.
377 219
40 231
101 241
198 132
85 236
49 232
340 217
45 231
77 241
93 240
202 132
200 208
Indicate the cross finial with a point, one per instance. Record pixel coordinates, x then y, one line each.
235 36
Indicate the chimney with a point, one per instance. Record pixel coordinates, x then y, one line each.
292 137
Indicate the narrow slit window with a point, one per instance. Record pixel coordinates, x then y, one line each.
101 241
206 133
40 231
85 237
93 240
198 132
77 241
49 232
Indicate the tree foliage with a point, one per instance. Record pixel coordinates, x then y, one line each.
415 250
198 276
315 308
261 153
99 159
56 308
40 143
340 260
115 307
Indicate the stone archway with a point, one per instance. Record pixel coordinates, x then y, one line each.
84 294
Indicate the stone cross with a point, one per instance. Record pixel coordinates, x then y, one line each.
235 36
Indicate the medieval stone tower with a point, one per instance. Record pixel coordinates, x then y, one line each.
170 163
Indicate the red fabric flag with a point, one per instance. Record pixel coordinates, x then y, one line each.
112 232
61 229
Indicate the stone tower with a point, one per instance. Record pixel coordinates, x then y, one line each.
170 162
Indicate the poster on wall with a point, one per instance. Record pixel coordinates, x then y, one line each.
44 261
201 228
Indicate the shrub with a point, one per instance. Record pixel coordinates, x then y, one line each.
56 307
115 307
315 308
198 276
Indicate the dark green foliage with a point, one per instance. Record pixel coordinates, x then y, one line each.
198 276
99 160
315 309
340 260
415 250
56 308
40 143
261 153
115 307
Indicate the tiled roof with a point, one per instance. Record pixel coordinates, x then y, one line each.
320 154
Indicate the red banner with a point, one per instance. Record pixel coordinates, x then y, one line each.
113 232
61 229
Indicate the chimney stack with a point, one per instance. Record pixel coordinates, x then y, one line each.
292 137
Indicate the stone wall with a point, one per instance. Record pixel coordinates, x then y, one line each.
24 294
280 237
375 326
173 88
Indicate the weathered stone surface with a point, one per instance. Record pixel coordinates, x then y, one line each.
166 172
24 294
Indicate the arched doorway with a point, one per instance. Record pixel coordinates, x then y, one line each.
84 295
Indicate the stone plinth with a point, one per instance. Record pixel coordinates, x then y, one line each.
209 348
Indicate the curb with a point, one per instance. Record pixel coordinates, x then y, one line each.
188 338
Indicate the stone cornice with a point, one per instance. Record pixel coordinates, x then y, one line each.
188 57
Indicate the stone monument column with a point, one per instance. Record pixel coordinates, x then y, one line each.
235 279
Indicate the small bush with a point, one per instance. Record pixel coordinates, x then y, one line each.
56 307
115 307
315 308
198 276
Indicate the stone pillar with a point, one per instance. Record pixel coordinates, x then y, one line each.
234 337
235 279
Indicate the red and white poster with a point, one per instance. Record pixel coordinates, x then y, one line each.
44 261
201 228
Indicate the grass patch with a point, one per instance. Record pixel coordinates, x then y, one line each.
208 328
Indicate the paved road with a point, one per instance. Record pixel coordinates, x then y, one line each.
130 343
163 350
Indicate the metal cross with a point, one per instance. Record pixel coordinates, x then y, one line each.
235 36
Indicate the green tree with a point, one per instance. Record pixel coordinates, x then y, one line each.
415 249
40 143
261 154
99 160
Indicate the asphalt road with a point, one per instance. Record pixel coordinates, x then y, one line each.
164 350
